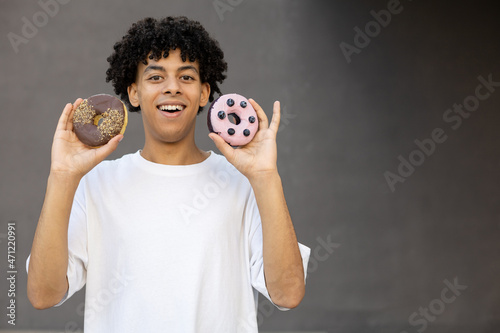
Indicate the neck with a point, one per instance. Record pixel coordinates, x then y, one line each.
183 152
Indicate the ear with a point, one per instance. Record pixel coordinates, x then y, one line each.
133 96
205 93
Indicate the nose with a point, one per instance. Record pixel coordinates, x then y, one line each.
172 87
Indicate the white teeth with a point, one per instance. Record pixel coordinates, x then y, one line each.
171 107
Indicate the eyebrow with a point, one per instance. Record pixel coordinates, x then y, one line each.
162 69
187 67
154 68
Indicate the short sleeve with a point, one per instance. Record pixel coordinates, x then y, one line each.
77 246
256 250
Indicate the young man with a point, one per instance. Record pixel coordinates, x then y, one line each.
171 238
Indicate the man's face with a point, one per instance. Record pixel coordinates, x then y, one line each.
169 93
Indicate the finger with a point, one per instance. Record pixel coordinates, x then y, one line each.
77 102
103 151
70 118
275 121
63 119
223 146
261 115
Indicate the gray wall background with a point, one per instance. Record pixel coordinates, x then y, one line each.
344 126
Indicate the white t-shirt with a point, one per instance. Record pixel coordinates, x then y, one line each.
165 248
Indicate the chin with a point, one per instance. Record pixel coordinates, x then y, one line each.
174 137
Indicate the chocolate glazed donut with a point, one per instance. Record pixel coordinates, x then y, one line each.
98 119
243 126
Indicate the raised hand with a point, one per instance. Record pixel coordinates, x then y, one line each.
257 158
69 155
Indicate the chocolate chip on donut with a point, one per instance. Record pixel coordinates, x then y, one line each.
98 119
233 118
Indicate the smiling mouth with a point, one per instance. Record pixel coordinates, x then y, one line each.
171 108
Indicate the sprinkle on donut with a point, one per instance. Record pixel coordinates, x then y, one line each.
233 118
98 119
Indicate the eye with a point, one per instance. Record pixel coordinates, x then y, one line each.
155 78
187 78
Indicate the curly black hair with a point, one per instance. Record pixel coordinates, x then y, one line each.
154 38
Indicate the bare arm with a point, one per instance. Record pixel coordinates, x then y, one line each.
282 260
284 272
48 264
71 160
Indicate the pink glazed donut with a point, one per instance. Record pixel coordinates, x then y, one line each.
243 114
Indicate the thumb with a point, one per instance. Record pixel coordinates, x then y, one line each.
103 151
222 145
